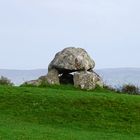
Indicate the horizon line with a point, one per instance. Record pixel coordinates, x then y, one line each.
47 68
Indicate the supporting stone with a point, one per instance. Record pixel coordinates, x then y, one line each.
86 80
53 77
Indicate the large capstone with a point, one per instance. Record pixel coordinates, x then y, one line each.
72 59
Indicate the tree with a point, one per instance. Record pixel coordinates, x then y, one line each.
5 81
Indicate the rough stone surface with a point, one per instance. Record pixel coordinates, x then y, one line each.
86 80
53 77
33 82
72 59
98 80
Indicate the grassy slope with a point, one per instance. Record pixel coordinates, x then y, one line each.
67 113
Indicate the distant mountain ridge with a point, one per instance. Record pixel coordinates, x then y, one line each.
20 76
115 77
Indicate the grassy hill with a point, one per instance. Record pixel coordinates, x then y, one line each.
66 113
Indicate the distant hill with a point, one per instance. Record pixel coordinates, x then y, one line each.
119 76
20 76
114 77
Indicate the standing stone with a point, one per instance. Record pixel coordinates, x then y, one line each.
86 80
53 77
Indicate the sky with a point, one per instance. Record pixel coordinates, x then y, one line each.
33 31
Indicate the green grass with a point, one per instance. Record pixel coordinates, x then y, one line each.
66 113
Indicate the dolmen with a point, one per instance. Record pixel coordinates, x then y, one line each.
71 66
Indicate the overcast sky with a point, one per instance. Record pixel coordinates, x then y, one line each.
32 31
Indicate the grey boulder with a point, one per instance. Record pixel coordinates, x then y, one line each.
72 59
53 77
87 80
